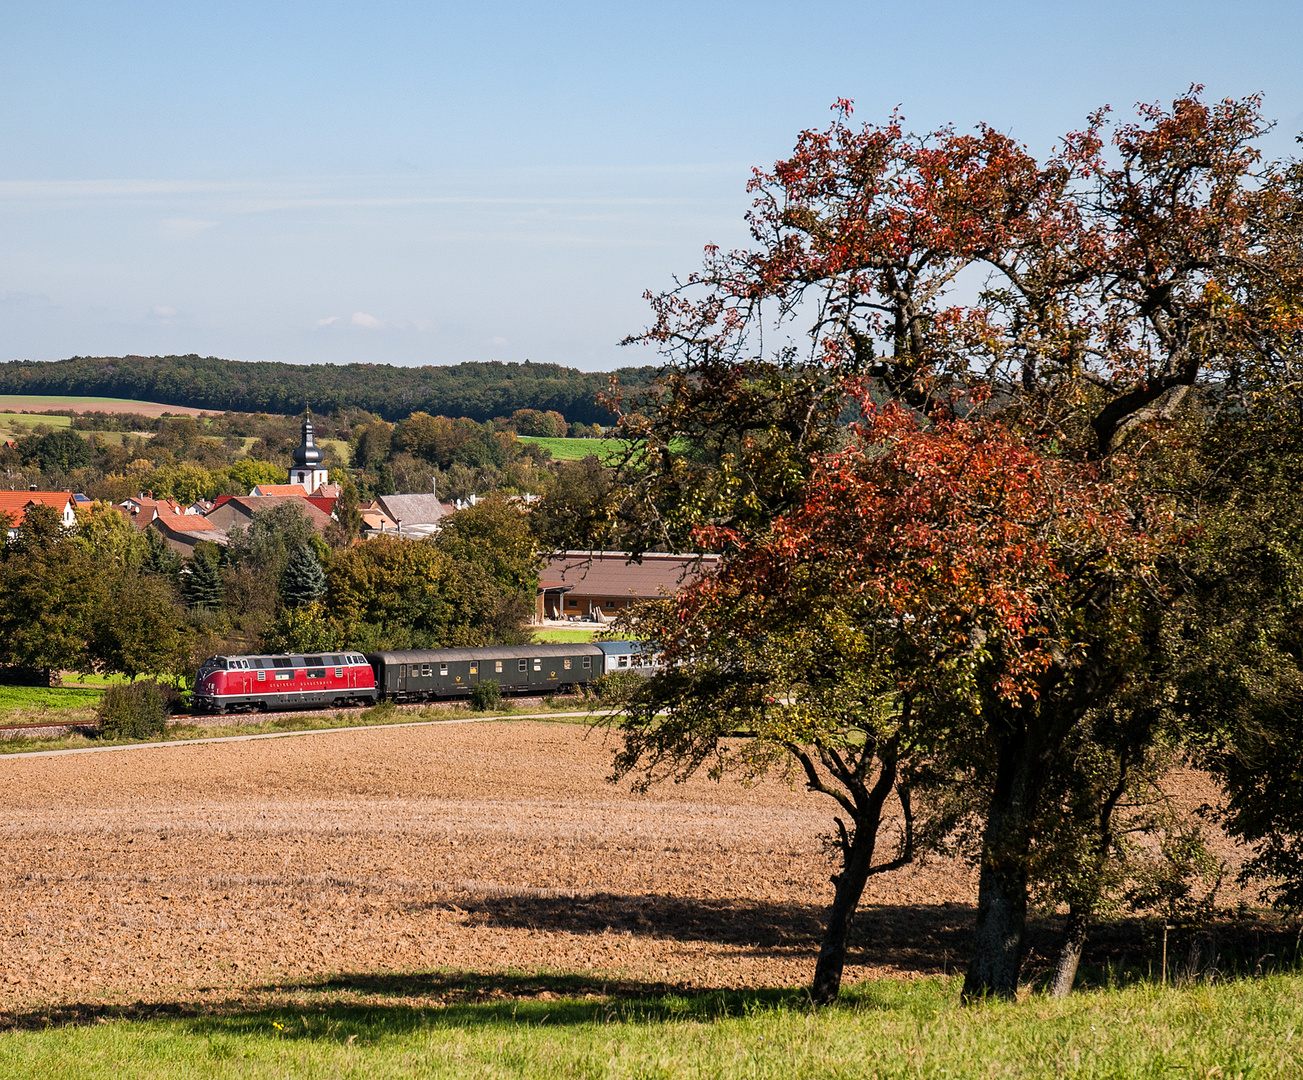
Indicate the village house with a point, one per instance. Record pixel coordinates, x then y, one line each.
183 531
412 515
232 510
14 505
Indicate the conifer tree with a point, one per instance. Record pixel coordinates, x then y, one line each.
202 585
304 581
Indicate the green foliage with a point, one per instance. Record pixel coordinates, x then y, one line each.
50 589
471 585
305 628
135 710
137 629
201 585
62 449
576 511
160 558
304 582
248 473
486 695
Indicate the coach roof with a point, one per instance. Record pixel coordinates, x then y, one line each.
488 652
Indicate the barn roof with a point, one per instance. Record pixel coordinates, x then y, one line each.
611 573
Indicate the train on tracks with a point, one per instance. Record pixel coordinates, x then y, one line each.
338 680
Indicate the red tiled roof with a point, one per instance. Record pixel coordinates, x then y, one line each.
15 503
187 523
281 489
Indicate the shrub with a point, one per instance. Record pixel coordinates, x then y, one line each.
618 686
136 710
486 695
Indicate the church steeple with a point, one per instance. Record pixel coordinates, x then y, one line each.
307 454
307 469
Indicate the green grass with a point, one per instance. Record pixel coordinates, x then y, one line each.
51 698
564 636
578 449
71 711
342 450
17 424
432 1026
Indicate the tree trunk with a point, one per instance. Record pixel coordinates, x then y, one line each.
846 898
1074 943
1002 887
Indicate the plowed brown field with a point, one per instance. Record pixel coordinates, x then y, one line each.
195 873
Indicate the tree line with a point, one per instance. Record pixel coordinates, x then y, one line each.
1056 553
479 391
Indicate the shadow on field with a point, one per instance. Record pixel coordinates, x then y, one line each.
371 1005
904 939
917 938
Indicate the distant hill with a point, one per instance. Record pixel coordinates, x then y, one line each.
480 391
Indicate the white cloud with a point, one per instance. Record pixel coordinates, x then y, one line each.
361 318
328 322
185 228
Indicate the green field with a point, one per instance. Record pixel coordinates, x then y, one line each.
578 449
430 1025
564 636
16 424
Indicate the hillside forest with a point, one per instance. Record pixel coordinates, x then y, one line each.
479 391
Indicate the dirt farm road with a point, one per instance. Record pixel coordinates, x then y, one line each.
199 872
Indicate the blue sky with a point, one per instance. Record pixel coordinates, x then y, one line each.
433 183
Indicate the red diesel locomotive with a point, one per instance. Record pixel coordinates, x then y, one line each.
273 683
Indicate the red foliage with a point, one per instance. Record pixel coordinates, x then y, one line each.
967 542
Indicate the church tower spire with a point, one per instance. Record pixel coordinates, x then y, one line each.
307 469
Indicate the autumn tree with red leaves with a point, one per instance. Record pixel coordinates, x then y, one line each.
989 557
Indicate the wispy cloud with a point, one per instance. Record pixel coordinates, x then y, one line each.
328 322
185 228
45 189
361 318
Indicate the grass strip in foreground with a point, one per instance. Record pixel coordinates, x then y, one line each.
564 711
880 1029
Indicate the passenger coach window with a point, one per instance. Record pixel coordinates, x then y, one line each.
524 665
567 663
425 671
497 666
588 662
538 665
443 669
475 667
